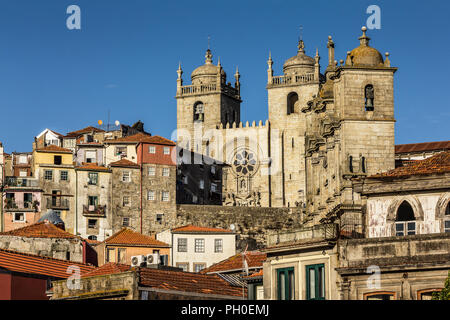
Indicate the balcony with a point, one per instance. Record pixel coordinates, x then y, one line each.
94 211
18 182
58 203
293 79
12 205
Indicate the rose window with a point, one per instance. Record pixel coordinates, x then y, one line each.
244 162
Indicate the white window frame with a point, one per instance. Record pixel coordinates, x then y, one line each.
152 149
152 171
405 228
165 172
19 220
126 176
163 196
151 195
166 150
199 245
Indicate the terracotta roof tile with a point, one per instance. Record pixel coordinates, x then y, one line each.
187 282
40 230
142 137
91 166
422 147
439 163
197 229
53 148
129 237
82 131
124 163
260 273
33 264
108 268
254 259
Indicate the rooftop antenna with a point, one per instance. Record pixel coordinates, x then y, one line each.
209 42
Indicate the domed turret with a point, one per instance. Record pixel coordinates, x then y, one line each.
208 72
364 55
300 63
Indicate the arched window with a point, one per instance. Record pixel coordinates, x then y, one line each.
405 223
292 98
369 97
350 163
198 111
447 218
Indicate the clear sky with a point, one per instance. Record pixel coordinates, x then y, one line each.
125 56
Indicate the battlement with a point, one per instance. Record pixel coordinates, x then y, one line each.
235 125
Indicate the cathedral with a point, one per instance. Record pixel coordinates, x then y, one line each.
324 129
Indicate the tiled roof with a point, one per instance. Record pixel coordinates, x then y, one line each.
124 163
85 130
91 166
108 268
187 282
260 273
422 147
197 229
40 230
142 137
438 163
254 259
128 237
28 263
53 148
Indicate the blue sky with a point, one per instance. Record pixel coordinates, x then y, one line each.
125 56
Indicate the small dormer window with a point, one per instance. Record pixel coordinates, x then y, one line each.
369 97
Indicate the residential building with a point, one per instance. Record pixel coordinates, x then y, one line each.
93 201
123 148
195 248
46 138
54 168
21 164
120 282
29 277
84 137
22 202
48 240
419 151
123 245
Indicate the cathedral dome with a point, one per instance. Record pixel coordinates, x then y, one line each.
300 63
208 72
364 55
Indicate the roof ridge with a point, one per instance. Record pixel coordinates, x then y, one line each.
43 257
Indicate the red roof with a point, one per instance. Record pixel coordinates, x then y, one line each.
33 264
40 230
91 166
187 282
439 163
82 131
142 137
124 163
55 149
128 237
254 259
108 268
422 147
197 229
260 273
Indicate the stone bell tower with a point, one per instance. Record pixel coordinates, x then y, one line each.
206 103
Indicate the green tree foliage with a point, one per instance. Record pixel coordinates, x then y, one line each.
445 293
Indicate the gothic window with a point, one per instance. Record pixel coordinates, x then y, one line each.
244 162
198 111
292 98
369 97
405 223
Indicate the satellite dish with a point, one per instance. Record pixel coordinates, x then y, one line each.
232 227
117 123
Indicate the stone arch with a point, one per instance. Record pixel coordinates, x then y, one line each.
292 99
442 207
369 97
413 201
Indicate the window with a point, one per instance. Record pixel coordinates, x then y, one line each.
151 171
91 156
63 175
182 244
202 184
126 201
48 175
405 224
379 296
92 223
159 218
213 187
57 160
199 267
93 178
426 294
23 173
369 97
292 98
121 151
315 282
218 245
125 222
199 245
198 111
126 176
165 172
446 225
151 149
185 180
121 255
92 200
19 217
166 150
23 159
183 265
110 255
286 283
447 216
165 196
151 195
92 237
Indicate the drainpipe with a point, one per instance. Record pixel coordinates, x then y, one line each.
76 201
141 168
